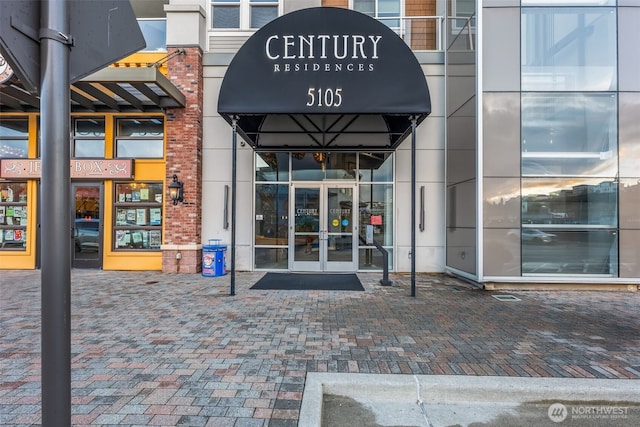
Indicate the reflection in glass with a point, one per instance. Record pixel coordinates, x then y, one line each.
154 32
307 224
553 251
569 201
272 221
340 224
569 49
376 167
272 258
319 166
14 138
140 148
272 166
376 213
88 148
569 134
372 259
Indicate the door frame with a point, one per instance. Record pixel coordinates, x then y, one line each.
79 262
324 235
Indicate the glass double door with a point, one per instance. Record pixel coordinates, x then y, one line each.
324 231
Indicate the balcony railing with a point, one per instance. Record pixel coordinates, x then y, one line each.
421 33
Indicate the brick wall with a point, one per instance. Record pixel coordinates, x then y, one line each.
183 222
336 3
423 32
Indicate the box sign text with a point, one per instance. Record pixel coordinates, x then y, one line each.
79 168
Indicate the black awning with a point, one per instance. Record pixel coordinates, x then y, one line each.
324 78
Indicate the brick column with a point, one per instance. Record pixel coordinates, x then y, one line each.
182 248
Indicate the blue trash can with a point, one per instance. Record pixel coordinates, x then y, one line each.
214 259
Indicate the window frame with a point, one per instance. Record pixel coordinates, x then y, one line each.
245 8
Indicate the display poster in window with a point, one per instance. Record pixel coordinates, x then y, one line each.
121 217
155 216
135 196
141 217
155 239
376 219
131 216
144 194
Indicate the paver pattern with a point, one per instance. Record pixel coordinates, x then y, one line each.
153 349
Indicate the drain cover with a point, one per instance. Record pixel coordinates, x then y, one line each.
505 298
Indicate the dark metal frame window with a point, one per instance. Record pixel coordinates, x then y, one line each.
140 138
88 138
14 138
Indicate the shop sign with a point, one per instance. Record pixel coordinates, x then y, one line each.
79 168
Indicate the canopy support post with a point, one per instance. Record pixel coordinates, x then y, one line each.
413 206
234 161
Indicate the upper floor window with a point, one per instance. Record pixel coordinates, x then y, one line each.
140 138
14 137
386 11
243 14
569 49
88 138
154 32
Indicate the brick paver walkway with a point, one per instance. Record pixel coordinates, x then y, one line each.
156 349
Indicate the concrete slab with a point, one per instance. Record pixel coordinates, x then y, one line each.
446 400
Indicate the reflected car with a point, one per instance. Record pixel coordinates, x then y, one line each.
87 234
537 236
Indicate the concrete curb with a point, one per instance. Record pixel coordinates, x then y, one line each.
402 390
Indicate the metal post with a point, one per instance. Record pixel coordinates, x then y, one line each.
56 225
413 206
234 155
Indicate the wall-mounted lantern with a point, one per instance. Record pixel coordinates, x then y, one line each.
176 189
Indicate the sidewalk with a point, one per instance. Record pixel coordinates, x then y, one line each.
157 349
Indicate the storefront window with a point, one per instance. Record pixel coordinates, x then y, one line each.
272 225
14 138
88 138
376 224
13 215
571 252
140 138
138 214
571 201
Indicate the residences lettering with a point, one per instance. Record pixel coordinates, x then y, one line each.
323 52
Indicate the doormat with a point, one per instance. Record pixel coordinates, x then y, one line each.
309 282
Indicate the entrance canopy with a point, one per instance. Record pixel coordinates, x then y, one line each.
324 79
